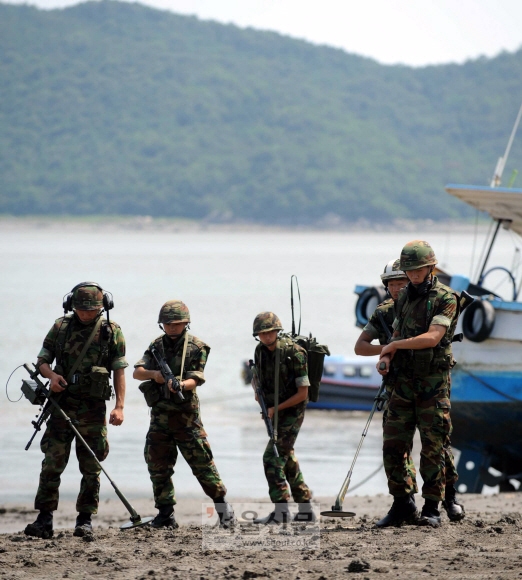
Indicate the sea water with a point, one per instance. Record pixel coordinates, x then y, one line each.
225 278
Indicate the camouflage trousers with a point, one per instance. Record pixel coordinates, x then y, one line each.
88 417
421 403
283 473
169 431
451 474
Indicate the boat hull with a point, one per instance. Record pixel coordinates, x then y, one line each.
338 395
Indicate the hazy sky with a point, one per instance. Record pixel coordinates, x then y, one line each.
414 32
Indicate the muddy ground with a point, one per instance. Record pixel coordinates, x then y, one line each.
486 544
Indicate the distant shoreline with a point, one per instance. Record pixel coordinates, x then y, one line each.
150 224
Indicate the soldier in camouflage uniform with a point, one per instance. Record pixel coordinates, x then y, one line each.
420 358
82 396
283 473
176 424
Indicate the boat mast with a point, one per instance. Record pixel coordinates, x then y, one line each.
495 182
501 163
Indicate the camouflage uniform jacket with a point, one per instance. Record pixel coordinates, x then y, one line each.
414 316
293 371
65 341
195 361
374 327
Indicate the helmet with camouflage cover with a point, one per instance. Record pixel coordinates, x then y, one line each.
392 271
87 298
417 254
173 311
265 322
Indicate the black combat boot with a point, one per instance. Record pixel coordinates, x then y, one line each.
227 519
42 527
165 518
280 515
454 509
430 515
306 514
83 525
403 510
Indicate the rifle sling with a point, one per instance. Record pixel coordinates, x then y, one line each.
78 361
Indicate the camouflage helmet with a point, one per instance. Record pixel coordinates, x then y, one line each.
87 298
392 271
265 322
417 254
174 311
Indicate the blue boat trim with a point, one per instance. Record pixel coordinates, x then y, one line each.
485 386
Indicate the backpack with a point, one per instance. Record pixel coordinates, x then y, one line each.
315 355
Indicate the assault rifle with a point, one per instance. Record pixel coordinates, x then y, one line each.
167 375
33 393
44 415
264 412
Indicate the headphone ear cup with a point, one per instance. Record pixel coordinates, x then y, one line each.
108 302
67 302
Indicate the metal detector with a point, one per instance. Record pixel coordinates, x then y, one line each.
37 386
337 509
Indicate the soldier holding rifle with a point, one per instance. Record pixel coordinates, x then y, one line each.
176 360
282 369
86 349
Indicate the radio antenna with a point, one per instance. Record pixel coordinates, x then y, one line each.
292 303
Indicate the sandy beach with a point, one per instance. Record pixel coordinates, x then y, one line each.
486 544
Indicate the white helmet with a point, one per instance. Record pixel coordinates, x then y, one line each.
392 271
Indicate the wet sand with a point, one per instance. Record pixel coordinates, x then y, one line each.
486 544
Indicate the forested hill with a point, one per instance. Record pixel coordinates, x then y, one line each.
116 108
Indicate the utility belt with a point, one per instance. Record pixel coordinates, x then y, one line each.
425 361
94 384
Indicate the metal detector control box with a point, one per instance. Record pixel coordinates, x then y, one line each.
32 392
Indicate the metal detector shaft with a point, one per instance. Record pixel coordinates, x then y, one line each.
346 484
34 375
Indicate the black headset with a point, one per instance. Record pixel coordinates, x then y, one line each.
108 302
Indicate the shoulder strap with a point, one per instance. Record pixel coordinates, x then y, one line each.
183 356
276 387
105 332
59 343
84 350
431 306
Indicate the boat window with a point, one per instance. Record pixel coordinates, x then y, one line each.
366 371
329 370
349 371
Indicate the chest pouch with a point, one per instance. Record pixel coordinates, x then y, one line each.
100 387
151 392
423 360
